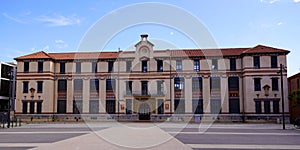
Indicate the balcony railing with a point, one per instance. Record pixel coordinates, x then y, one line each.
143 94
178 93
233 93
215 93
62 95
78 94
110 94
197 94
94 94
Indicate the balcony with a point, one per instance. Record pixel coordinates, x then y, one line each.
62 94
78 94
215 93
197 94
233 93
143 94
94 94
110 94
178 93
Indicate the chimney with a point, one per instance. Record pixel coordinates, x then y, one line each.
144 37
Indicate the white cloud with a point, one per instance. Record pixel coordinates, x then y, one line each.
59 20
13 18
61 44
279 23
269 1
296 1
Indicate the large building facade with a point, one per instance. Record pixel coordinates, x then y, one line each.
7 92
153 84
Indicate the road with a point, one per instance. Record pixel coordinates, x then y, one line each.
113 135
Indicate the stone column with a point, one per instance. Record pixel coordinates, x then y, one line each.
224 94
188 94
206 94
86 95
70 97
102 95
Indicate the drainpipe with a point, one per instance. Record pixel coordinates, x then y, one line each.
54 90
243 96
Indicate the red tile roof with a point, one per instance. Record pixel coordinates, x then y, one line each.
174 53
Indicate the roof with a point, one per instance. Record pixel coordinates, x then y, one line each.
174 53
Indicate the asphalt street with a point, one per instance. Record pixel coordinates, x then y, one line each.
112 135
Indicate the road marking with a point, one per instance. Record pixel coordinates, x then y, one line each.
235 133
46 132
234 146
21 144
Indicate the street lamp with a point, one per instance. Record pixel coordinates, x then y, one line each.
282 97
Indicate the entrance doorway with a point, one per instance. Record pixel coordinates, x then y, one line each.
144 112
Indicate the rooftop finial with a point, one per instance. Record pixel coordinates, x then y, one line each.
144 37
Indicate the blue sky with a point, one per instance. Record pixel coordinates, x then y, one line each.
59 26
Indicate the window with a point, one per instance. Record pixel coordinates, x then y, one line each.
257 86
197 83
25 107
233 83
178 65
144 66
234 106
258 107
25 87
276 106
160 106
274 84
159 65
62 66
128 66
4 88
39 86
31 107
61 106
196 65
78 84
179 106
215 106
62 85
179 83
77 106
111 106
5 71
94 85
256 62
197 107
274 62
78 67
215 83
94 107
40 66
110 66
39 107
214 64
232 64
128 106
267 107
160 88
26 66
129 87
110 84
144 87
94 67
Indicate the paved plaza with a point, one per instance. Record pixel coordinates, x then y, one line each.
154 136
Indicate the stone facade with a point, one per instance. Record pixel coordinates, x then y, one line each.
149 83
